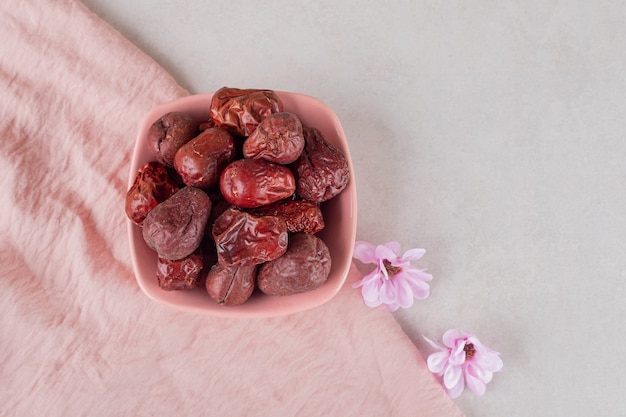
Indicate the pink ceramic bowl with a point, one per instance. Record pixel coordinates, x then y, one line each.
339 216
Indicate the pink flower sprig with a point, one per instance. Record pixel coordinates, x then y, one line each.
463 360
394 282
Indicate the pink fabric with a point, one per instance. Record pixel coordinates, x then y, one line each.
77 337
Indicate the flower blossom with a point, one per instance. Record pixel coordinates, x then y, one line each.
394 282
463 361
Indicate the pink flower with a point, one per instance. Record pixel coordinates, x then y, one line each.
394 282
463 361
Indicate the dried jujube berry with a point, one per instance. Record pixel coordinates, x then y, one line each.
244 239
322 170
200 161
207 124
249 183
253 183
175 228
231 285
299 215
241 110
304 267
278 138
181 274
152 186
168 133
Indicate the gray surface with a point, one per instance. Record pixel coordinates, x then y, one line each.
491 134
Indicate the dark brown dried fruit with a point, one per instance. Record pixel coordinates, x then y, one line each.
278 138
231 285
241 110
218 206
244 239
206 125
152 186
299 215
175 228
181 274
252 183
322 170
200 161
304 267
168 133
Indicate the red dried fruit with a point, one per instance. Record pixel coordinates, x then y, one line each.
200 161
206 125
231 285
244 239
175 228
249 183
278 138
168 133
304 267
152 186
241 110
299 215
322 170
181 274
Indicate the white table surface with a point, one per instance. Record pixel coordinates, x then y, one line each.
490 133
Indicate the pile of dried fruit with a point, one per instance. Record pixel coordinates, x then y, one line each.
235 200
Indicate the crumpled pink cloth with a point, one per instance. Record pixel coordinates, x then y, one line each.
77 337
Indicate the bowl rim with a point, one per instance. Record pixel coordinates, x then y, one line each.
291 304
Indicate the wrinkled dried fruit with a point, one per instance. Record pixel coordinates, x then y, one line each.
174 228
304 267
168 133
231 285
201 160
322 170
206 125
181 274
152 186
244 239
299 215
252 183
241 110
278 138
218 206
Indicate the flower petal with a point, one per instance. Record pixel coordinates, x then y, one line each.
404 291
394 247
372 275
452 375
365 252
450 337
437 361
474 341
420 289
383 252
388 292
489 361
433 344
457 356
393 306
473 382
372 303
457 389
413 254
382 269
483 375
418 273
371 290
478 372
